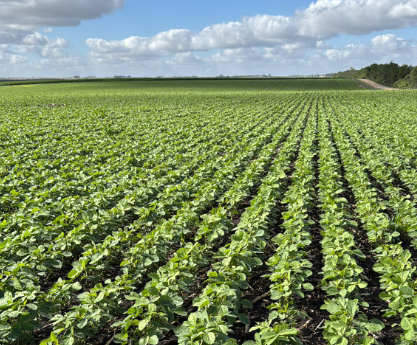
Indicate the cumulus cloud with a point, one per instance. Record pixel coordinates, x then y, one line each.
37 39
29 15
258 44
41 45
284 59
20 21
20 18
381 49
389 43
4 48
12 59
64 64
185 59
15 65
308 59
315 24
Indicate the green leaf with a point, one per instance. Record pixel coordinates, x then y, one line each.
332 308
204 304
289 331
96 257
385 296
409 335
54 263
68 341
100 297
83 323
32 306
17 285
407 291
153 340
21 252
223 329
246 303
3 302
332 291
244 319
406 324
76 286
352 307
374 325
5 327
362 285
308 286
143 323
209 338
368 341
72 274
343 292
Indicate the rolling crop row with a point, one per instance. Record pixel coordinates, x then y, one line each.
254 218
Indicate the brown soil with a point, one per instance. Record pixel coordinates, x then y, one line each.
375 85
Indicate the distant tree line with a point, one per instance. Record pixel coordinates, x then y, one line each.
390 74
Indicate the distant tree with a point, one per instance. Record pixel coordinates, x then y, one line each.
413 76
390 74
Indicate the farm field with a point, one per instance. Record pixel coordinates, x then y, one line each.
208 212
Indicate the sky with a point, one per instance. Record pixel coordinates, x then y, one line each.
103 38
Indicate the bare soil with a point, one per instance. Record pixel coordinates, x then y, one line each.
375 85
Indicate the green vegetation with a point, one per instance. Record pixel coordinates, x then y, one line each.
208 212
409 81
202 84
391 74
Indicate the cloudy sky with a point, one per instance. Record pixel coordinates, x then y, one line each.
61 38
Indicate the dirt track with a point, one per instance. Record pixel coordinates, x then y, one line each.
375 85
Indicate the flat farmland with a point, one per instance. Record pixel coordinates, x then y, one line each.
270 211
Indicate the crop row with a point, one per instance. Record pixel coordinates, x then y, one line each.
139 223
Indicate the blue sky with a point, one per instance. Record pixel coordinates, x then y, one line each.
50 38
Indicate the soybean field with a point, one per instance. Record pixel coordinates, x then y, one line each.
194 212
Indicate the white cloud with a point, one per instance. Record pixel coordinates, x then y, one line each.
4 48
381 49
279 45
185 59
406 10
18 3
284 59
13 65
20 20
65 64
41 45
37 39
322 20
7 59
389 44
30 15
